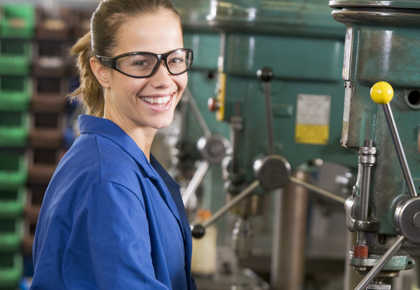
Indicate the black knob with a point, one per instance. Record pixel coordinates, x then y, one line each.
266 74
198 231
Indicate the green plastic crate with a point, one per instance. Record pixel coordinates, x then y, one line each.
11 235
12 203
17 21
13 169
11 270
15 57
14 129
15 93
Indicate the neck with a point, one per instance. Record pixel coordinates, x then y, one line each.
142 136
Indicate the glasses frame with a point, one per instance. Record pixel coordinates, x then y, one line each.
112 61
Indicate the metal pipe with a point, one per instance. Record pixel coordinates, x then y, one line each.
381 263
290 273
267 92
197 114
318 190
195 181
400 150
247 191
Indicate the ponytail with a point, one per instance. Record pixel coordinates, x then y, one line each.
90 90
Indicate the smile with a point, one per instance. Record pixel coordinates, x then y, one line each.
161 101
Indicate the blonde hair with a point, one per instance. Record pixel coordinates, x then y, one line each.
102 39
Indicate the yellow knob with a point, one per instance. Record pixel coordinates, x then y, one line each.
382 93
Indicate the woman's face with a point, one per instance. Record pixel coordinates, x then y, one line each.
135 102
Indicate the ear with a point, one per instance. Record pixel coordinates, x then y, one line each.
101 72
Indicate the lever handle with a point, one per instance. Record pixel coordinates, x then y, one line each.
266 74
199 230
382 93
195 181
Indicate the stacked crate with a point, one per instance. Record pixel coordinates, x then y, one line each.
51 69
16 33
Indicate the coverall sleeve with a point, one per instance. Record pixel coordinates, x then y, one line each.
118 237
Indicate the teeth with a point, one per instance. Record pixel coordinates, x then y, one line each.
159 101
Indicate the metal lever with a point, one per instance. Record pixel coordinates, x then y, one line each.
195 181
382 93
199 230
266 74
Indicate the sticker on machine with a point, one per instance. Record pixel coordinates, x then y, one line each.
312 119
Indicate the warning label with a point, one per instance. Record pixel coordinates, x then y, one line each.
312 119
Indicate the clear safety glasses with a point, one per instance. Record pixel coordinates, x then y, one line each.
144 64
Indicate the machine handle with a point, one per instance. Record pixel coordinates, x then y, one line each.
381 263
382 93
266 74
195 181
199 231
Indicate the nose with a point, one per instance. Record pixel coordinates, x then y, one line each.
161 78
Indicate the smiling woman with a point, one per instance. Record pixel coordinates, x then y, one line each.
112 218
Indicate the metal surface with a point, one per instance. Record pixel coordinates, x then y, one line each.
384 48
381 263
272 171
291 249
213 148
242 238
195 182
400 150
406 220
245 193
317 190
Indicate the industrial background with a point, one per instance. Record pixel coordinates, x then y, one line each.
297 170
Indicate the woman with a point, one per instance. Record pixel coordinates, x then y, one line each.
112 218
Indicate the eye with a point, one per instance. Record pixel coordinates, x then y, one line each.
176 60
141 63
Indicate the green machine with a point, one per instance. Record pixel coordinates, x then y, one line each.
203 139
280 91
381 121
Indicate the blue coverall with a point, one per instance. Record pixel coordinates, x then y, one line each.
110 219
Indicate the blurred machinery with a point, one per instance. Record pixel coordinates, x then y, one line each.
381 50
279 88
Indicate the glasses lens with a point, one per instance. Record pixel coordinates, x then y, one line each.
179 61
138 65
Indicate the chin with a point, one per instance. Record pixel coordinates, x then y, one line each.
162 123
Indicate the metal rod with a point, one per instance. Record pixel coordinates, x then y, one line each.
381 263
195 181
318 190
400 150
267 92
247 191
197 114
184 101
364 196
